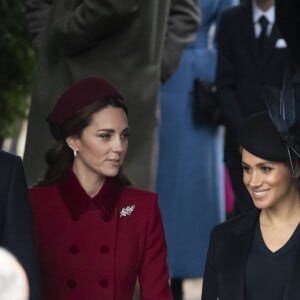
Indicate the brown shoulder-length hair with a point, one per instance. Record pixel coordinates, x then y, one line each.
60 157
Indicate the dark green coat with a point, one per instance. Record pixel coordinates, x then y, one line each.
122 41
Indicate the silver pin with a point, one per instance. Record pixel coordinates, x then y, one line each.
127 211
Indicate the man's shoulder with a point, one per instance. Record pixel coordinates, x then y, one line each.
9 161
236 12
8 157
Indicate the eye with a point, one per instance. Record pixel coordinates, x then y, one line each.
266 169
246 169
125 135
104 136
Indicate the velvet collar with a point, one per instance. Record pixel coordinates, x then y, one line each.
78 201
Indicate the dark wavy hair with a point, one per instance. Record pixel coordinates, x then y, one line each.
60 157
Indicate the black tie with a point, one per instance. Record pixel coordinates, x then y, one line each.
262 39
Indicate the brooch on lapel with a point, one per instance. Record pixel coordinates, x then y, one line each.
127 211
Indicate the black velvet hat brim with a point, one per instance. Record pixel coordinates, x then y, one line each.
259 136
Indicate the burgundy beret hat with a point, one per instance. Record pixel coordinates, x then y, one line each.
78 96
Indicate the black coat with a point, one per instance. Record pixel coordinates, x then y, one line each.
227 257
16 225
241 73
287 16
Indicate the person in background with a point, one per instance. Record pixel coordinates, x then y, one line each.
252 53
190 168
96 233
132 43
16 223
13 279
256 256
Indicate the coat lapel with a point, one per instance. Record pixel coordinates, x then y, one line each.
249 35
271 43
236 260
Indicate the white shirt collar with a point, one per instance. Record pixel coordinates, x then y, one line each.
257 13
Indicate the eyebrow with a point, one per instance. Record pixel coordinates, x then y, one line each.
111 130
106 129
259 164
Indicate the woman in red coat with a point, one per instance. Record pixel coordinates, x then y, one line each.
96 234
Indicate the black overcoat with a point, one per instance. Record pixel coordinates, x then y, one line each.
287 16
241 72
16 223
227 257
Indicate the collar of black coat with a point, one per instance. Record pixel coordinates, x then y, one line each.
249 220
240 224
78 201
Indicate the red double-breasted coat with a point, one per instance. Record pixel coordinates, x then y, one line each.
96 248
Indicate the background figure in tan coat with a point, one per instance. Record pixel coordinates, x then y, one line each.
122 41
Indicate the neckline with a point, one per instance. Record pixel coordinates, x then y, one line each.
286 247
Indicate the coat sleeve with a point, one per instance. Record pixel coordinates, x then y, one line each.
226 76
287 18
37 15
17 233
76 28
153 276
210 286
182 25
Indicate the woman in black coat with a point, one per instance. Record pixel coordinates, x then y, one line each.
16 228
257 255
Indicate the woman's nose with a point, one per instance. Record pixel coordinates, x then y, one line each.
118 145
254 179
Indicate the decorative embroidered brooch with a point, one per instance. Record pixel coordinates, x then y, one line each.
127 211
